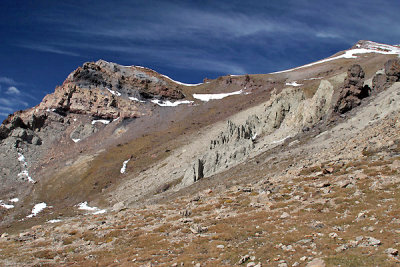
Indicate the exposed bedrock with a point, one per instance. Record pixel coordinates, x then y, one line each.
384 79
285 115
353 90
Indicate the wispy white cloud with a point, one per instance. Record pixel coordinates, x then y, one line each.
12 90
8 81
328 35
48 49
12 102
149 30
7 109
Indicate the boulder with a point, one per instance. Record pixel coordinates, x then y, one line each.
355 76
391 74
392 70
379 82
352 91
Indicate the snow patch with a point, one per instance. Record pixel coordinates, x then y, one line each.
123 169
102 121
76 140
36 209
295 84
24 173
167 103
85 206
136 99
14 200
6 206
99 212
22 159
208 97
54 221
185 84
114 92
371 47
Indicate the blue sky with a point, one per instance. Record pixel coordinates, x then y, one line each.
43 41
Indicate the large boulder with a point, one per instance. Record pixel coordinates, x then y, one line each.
355 76
379 82
391 74
352 91
392 70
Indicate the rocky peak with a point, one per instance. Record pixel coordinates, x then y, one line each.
105 90
132 81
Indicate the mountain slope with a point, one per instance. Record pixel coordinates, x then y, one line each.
145 139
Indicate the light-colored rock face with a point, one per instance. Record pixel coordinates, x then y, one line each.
230 146
285 115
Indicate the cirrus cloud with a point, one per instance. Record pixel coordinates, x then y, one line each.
12 90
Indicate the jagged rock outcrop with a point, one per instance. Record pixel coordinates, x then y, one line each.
392 70
20 130
95 102
384 79
353 90
103 89
124 80
228 147
285 114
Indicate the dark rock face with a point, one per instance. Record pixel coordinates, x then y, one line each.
379 82
4 132
382 81
37 122
392 70
353 90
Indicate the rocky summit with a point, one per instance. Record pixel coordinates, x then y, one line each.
124 166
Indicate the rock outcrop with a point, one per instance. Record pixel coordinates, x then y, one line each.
384 79
20 130
230 146
96 102
392 70
353 90
124 80
285 115
108 90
